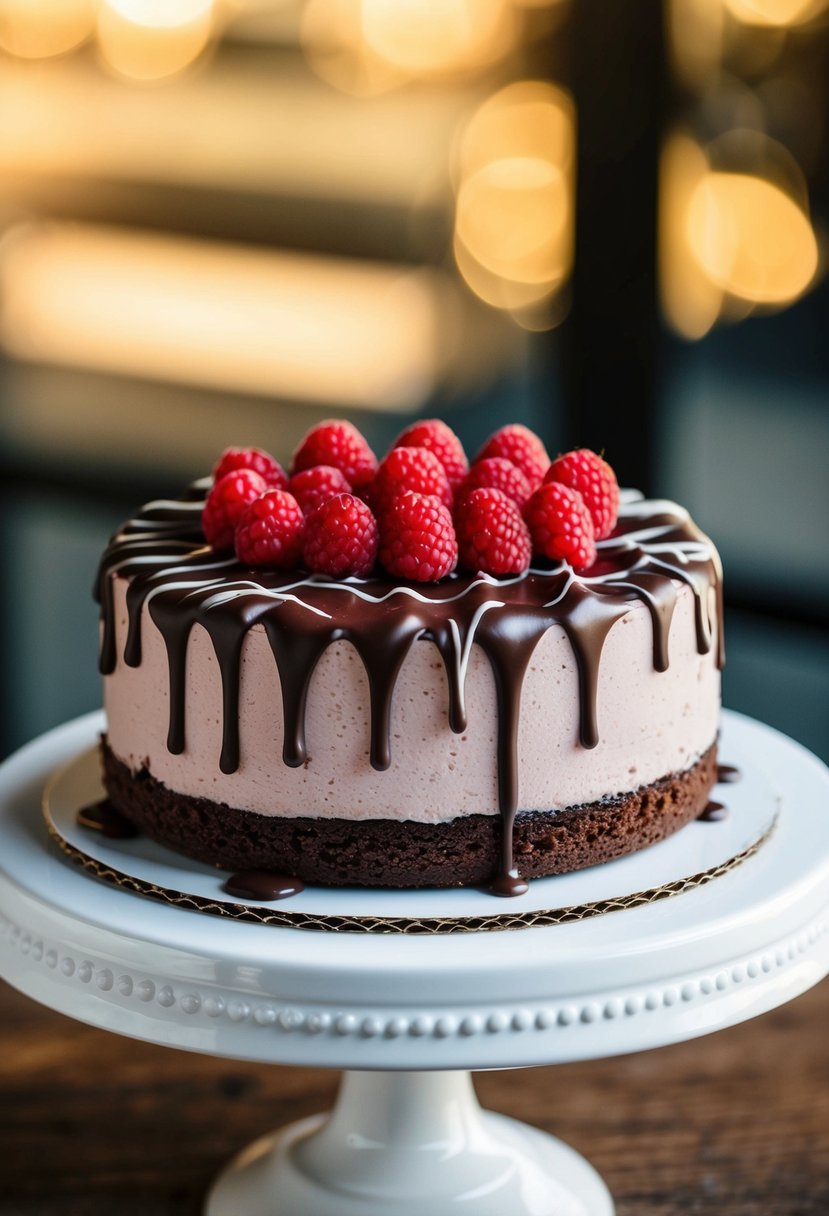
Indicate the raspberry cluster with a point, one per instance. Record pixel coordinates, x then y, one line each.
420 512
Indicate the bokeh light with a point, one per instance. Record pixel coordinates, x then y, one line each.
429 37
511 215
751 238
153 39
775 13
38 29
330 330
692 302
514 211
367 47
735 235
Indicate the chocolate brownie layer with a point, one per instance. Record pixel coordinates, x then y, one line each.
389 853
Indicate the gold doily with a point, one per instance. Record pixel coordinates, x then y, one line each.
402 924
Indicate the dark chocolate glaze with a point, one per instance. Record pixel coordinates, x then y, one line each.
182 583
727 774
508 882
714 812
102 817
263 884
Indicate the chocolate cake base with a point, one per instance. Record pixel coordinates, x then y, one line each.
389 853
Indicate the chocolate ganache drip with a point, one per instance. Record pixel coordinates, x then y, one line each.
182 582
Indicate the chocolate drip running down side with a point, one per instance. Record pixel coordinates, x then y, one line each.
714 812
183 583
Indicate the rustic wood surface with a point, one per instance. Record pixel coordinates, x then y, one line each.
735 1124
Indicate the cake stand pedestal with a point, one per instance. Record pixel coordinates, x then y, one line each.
407 1015
413 1143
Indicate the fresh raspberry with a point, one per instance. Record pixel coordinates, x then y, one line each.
492 536
270 531
225 504
341 538
560 525
442 441
415 469
312 487
497 473
520 445
417 539
261 462
594 479
339 444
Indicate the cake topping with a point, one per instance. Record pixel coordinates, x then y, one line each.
497 473
256 459
417 537
339 444
312 487
561 526
225 504
442 442
415 469
523 447
341 538
560 523
270 531
492 536
594 479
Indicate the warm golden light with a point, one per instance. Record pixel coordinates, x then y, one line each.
696 39
751 238
690 299
514 210
330 37
529 118
731 242
370 46
230 130
511 215
301 328
37 29
428 37
775 13
153 39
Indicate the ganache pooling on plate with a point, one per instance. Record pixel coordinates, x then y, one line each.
654 550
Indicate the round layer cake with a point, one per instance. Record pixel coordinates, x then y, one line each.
379 732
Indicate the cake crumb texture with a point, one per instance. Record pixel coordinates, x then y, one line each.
389 853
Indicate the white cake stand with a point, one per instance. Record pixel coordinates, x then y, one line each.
406 1015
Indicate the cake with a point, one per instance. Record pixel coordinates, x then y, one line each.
471 728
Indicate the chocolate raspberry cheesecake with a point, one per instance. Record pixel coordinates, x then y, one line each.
437 676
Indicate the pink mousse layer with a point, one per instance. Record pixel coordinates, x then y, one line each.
650 724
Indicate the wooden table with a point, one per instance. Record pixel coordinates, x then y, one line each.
735 1124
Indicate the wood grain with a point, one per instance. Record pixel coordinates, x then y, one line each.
735 1124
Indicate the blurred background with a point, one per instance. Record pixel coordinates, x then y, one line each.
222 221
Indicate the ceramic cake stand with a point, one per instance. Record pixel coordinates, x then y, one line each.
408 1013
